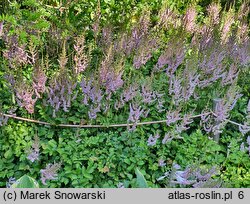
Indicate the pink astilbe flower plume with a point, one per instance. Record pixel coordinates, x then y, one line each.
189 19
226 28
136 112
25 97
214 13
34 152
50 172
80 58
15 53
39 81
171 57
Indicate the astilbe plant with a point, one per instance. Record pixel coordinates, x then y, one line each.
39 82
171 57
226 27
195 57
61 89
192 176
153 139
168 19
111 70
1 28
222 107
80 57
172 117
3 120
214 59
130 92
245 127
93 96
61 93
148 96
214 13
189 19
139 33
50 172
184 124
15 53
136 112
25 97
34 151
144 52
168 138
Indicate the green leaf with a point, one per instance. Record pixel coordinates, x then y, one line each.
140 180
25 182
8 154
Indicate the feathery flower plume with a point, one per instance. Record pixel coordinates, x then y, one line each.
161 163
144 52
129 93
193 176
206 121
153 139
1 28
60 93
231 75
80 58
11 181
189 19
93 111
119 103
15 53
63 58
160 107
168 18
167 138
214 13
25 98
134 115
113 82
242 33
33 152
107 37
39 81
61 89
172 117
226 28
187 120
172 57
245 128
243 11
148 96
240 53
221 110
175 89
50 172
191 83
97 18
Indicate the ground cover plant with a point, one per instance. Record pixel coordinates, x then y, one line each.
124 94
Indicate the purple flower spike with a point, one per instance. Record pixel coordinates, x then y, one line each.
49 173
161 163
153 139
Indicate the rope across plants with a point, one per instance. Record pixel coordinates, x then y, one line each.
105 126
